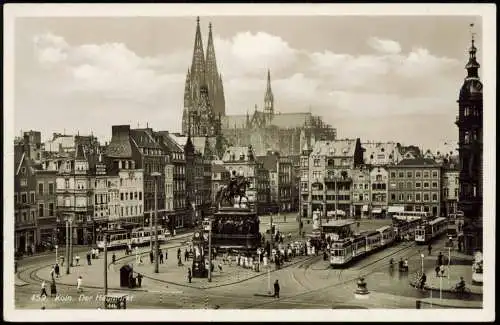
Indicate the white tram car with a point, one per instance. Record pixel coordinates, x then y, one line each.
142 236
344 250
427 231
405 229
114 239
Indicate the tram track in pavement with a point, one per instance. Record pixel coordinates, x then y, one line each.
342 282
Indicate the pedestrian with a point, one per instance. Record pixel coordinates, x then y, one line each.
139 279
190 276
113 258
429 248
151 257
422 281
161 257
52 273
77 258
79 284
62 260
438 267
88 257
440 258
178 253
93 253
43 290
166 255
441 268
179 261
276 289
56 268
53 289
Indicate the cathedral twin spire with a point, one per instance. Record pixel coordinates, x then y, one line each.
203 93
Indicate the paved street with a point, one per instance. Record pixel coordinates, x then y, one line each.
306 281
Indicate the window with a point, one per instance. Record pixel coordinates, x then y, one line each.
366 186
121 197
417 197
24 182
51 188
426 184
434 174
418 174
409 197
24 198
408 185
434 197
426 174
434 184
51 209
426 197
409 174
66 183
401 174
40 210
316 162
40 188
393 197
23 170
393 174
401 185
418 208
140 196
401 197
378 178
32 197
456 192
418 184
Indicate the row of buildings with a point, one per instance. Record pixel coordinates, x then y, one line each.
374 179
113 185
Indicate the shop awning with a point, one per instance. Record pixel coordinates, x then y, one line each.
365 208
396 209
377 210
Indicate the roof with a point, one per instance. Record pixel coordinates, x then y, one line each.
338 223
64 141
344 147
143 138
290 120
19 159
199 144
180 140
169 142
418 162
380 153
120 145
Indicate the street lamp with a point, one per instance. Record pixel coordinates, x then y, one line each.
155 175
103 232
68 243
422 257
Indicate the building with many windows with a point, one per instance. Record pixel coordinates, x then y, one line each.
46 205
280 171
361 192
415 184
379 179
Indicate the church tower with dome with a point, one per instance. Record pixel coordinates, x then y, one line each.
470 143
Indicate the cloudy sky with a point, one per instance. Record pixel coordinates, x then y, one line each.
377 78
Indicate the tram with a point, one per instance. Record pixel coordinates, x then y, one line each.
114 239
405 230
428 231
346 246
142 236
139 236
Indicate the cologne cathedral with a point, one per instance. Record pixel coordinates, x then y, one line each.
204 113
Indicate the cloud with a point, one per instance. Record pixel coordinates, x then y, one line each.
113 82
384 45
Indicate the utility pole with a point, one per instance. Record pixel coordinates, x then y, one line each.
67 245
105 262
157 246
151 230
210 250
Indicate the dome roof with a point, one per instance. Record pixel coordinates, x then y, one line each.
471 89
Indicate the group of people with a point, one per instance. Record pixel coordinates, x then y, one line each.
230 226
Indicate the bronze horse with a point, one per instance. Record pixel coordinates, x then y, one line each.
227 193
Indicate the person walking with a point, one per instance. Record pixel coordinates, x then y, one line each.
79 284
88 257
441 268
438 267
61 258
151 257
52 273
43 290
190 276
178 253
139 279
77 258
429 248
423 279
113 258
186 255
440 258
276 289
166 255
161 257
56 269
53 289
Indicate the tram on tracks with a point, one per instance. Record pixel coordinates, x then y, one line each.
120 238
346 246
429 230
405 229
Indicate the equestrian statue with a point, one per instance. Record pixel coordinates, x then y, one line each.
236 187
